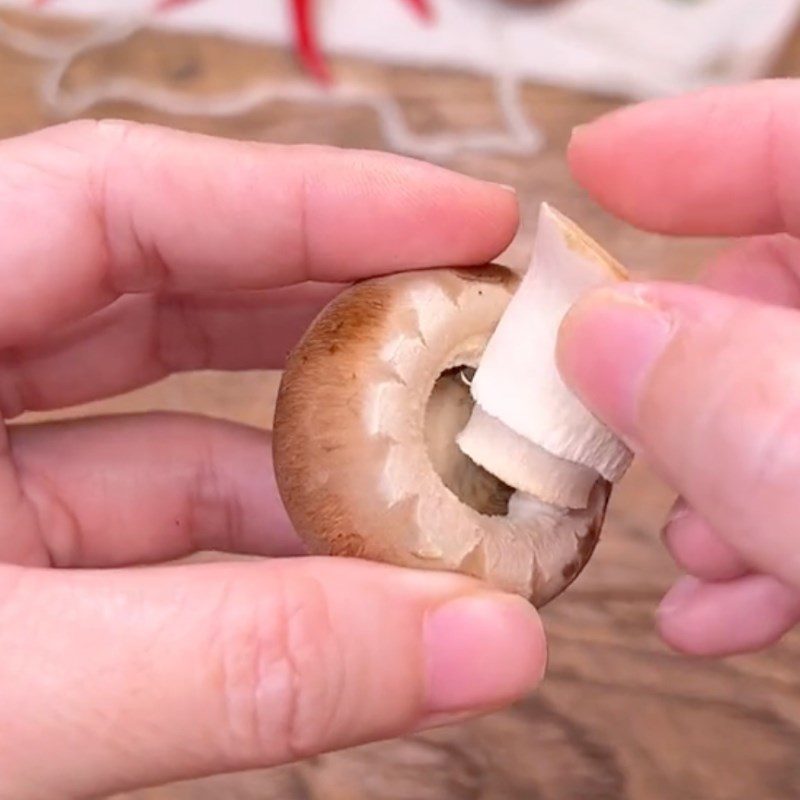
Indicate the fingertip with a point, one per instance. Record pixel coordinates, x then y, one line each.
679 619
496 218
720 619
482 650
680 596
698 550
606 345
600 160
580 150
665 165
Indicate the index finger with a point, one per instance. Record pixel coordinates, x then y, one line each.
719 162
96 210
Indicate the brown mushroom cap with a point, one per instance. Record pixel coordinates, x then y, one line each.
366 462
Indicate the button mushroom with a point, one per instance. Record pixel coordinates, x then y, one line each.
421 421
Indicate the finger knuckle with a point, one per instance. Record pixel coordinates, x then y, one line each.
124 152
281 672
215 508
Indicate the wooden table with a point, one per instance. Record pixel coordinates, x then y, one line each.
619 717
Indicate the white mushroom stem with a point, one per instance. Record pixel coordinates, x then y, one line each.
527 427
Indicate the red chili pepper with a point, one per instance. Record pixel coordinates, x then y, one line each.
422 8
306 42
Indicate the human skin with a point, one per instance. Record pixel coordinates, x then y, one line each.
704 381
131 252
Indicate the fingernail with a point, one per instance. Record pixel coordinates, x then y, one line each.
677 597
607 345
679 511
507 187
482 651
577 132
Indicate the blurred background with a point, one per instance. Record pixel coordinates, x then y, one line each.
493 89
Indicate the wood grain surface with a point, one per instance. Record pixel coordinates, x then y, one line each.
618 717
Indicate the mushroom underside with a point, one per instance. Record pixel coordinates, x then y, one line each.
560 540
447 412
365 440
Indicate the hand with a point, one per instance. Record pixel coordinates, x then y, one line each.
130 252
705 382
